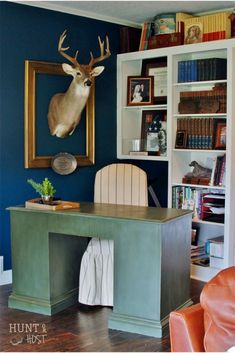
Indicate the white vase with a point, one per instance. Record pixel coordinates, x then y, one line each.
47 199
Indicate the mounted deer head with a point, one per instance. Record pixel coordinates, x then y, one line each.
65 108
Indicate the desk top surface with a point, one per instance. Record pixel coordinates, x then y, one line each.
97 210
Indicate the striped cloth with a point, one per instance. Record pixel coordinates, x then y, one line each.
96 274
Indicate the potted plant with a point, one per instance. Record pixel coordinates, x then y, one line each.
45 189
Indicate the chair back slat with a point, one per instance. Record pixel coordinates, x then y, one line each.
121 183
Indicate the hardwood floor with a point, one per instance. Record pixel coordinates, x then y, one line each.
79 328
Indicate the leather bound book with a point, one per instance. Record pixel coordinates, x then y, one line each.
207 133
203 133
211 133
129 39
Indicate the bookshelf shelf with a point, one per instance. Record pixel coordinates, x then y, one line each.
216 115
145 158
147 107
197 150
129 125
208 223
200 186
198 83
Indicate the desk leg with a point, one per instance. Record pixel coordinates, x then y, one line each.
45 266
151 262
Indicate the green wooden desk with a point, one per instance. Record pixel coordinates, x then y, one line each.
151 261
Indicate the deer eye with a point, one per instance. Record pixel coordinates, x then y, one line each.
78 73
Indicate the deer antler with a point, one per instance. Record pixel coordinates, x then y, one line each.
102 55
62 50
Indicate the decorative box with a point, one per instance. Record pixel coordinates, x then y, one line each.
166 40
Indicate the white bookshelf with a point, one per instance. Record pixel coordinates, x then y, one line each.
217 115
129 127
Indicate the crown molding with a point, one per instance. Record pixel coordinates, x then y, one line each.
66 9
205 13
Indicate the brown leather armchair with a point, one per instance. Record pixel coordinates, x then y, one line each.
210 325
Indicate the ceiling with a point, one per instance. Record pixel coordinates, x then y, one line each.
132 13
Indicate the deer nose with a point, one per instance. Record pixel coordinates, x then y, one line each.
88 83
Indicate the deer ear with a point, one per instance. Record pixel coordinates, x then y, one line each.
68 69
97 71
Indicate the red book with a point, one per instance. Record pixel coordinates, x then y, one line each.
143 36
216 35
223 34
210 36
205 37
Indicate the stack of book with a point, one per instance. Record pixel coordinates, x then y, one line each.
200 132
215 26
204 102
215 246
181 17
198 255
205 205
188 198
215 249
202 70
147 30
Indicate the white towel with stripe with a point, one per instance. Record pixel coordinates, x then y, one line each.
96 274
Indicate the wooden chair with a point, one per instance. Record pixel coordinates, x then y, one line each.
123 184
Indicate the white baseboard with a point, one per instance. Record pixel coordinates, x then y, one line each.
5 276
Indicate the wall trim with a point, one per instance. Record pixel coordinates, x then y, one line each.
205 13
77 12
5 276
54 6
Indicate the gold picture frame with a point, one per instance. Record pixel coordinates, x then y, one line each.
32 160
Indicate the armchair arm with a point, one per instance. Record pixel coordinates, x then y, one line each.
187 329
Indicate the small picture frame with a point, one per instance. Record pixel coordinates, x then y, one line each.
181 139
220 136
153 142
194 238
193 33
154 131
157 67
139 90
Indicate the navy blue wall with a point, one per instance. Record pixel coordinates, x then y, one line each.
30 33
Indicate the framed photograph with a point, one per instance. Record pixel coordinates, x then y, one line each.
220 137
153 131
157 67
140 90
181 139
194 239
153 142
193 33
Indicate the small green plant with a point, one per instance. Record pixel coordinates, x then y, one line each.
44 189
